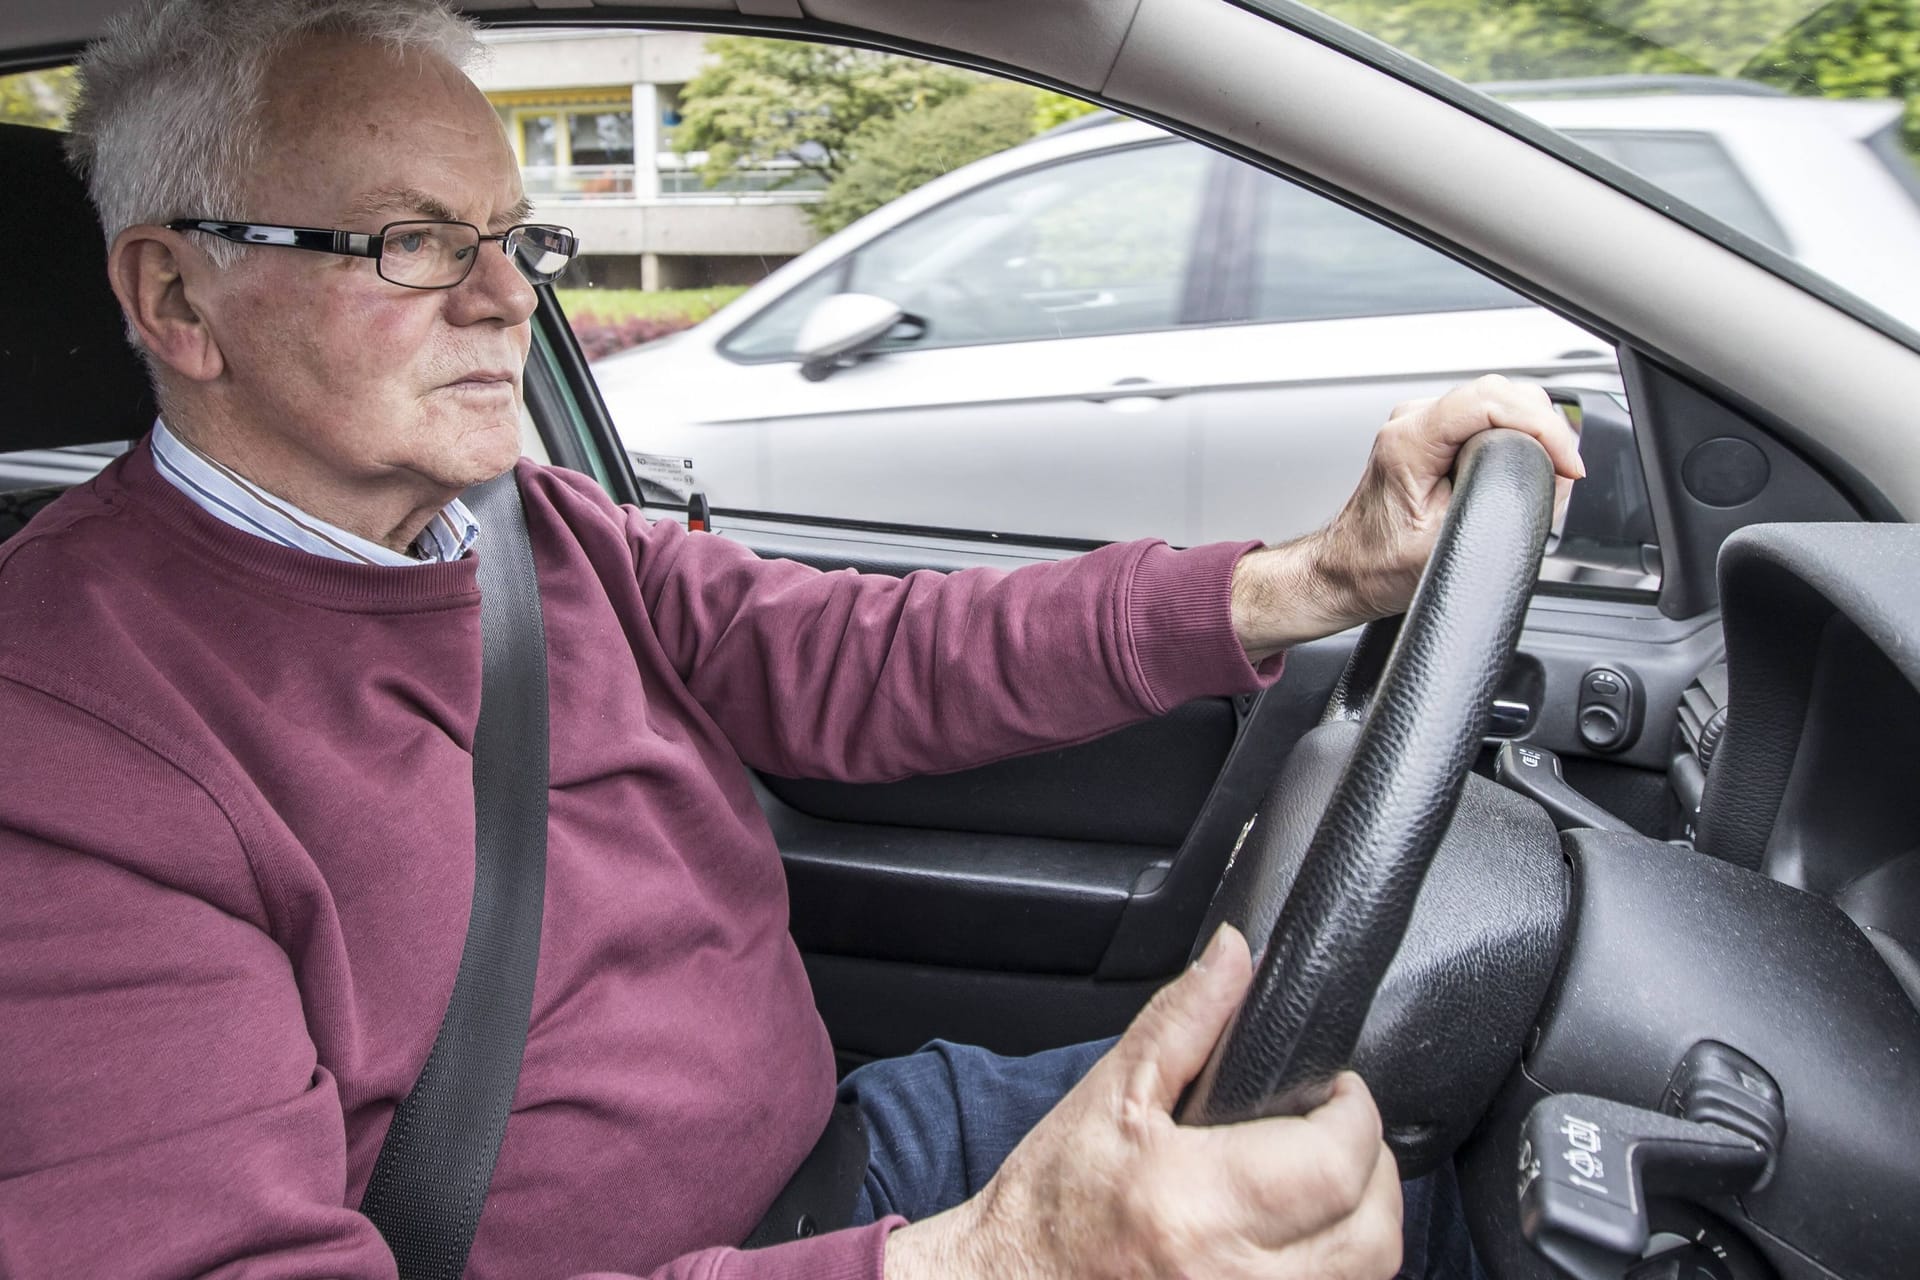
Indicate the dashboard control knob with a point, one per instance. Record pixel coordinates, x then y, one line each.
1609 714
1601 727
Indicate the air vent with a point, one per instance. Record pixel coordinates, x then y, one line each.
1703 714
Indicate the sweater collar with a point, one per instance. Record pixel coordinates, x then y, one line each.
134 480
231 498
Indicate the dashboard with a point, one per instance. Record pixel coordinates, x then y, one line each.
1814 781
1785 939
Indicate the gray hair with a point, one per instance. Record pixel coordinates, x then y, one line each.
168 122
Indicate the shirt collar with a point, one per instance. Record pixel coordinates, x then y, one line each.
230 497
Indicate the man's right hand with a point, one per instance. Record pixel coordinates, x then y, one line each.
1108 1185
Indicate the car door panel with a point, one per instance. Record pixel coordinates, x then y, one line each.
1040 900
1019 941
1284 406
1022 865
926 437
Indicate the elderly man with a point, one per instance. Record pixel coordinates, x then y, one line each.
240 675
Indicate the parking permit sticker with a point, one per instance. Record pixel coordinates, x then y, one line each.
664 471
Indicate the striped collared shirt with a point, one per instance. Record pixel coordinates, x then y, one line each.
228 496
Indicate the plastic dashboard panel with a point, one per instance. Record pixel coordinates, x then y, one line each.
1813 781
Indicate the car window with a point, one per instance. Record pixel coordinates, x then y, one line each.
1172 417
1095 245
1314 259
772 334
1090 246
1695 167
1100 332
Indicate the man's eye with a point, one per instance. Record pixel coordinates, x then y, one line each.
409 242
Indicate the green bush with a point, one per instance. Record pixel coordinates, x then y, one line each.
912 149
759 100
1052 109
609 320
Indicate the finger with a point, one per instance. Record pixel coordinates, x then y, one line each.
1314 1170
1170 1040
1385 1192
1495 401
1407 408
1547 425
1377 1226
1368 1243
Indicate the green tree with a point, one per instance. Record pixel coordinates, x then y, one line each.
918 146
1844 49
42 98
761 100
1052 109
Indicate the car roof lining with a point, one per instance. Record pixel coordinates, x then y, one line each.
1830 383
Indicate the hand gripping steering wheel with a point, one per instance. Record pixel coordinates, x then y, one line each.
1343 913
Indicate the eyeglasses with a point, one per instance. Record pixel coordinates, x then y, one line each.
420 254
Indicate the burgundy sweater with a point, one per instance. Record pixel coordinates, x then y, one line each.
236 863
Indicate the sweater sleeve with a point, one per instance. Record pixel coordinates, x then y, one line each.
868 677
163 1113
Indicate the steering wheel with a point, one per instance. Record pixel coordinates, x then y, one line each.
1340 864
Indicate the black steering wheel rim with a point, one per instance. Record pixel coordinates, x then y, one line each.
1349 906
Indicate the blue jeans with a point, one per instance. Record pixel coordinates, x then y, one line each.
940 1121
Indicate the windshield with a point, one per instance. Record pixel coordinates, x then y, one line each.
1783 126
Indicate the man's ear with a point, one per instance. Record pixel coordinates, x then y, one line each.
154 272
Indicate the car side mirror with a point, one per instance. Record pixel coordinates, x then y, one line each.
843 328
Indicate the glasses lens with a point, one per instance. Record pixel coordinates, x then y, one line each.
428 255
542 253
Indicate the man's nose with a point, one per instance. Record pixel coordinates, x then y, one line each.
494 290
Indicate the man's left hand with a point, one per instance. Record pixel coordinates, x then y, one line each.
1365 563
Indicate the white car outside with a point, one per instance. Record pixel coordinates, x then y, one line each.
1174 419
1819 179
1207 349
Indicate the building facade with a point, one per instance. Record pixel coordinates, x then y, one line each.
591 117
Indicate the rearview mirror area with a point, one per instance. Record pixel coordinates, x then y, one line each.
1605 538
844 327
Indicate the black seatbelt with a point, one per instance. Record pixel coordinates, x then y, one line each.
431 1177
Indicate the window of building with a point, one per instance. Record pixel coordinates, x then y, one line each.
600 137
573 144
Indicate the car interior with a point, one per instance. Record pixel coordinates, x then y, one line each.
1614 897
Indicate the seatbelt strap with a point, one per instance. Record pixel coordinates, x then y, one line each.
431 1177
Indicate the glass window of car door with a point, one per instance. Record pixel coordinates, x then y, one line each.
1695 167
1317 260
1094 245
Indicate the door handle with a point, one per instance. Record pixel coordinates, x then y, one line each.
1132 393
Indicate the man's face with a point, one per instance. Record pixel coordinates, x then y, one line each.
368 384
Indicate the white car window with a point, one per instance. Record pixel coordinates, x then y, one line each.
773 333
1314 259
1695 167
1094 245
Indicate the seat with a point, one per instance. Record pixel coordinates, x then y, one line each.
67 375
